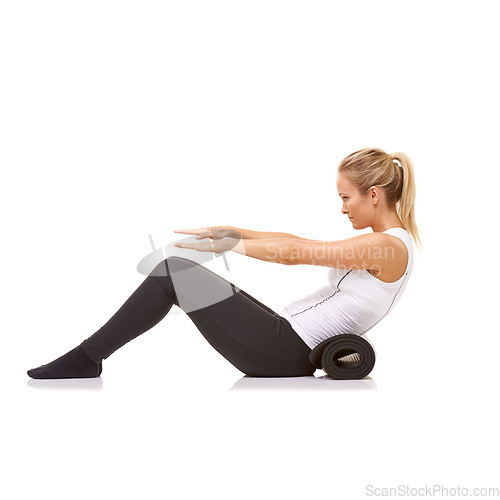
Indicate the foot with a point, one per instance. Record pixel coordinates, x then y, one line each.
73 364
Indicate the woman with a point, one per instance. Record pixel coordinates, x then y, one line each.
367 276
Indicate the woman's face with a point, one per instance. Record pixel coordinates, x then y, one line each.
357 207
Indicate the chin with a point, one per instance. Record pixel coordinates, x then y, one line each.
355 225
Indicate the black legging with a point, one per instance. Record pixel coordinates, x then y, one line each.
251 336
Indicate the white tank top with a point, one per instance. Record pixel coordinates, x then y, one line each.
354 301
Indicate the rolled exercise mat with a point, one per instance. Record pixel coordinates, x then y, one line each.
344 357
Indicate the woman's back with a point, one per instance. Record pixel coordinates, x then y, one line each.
353 301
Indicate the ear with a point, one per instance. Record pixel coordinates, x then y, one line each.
374 193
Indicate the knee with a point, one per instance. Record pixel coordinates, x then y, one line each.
171 265
175 263
181 260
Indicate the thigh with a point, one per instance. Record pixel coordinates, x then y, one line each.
253 337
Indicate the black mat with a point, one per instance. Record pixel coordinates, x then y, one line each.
344 357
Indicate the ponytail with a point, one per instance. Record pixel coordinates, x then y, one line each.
406 204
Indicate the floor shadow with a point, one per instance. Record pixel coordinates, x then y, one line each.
308 383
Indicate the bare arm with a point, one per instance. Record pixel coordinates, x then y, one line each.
247 234
275 250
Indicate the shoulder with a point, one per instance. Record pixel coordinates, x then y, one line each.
395 257
391 241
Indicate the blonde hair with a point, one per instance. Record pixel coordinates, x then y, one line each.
374 167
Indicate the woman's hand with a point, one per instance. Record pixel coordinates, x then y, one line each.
204 246
210 232
197 232
218 246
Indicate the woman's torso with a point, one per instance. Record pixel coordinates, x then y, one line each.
353 301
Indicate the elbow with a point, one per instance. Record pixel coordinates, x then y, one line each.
283 258
280 252
289 261
292 254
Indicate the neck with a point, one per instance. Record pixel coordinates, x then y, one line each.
386 221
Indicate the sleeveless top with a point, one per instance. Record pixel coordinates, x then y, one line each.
353 301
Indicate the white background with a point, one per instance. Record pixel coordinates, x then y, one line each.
123 119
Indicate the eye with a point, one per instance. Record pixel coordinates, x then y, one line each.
344 197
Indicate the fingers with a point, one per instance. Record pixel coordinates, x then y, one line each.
198 232
191 231
201 247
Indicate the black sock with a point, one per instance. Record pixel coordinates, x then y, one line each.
73 364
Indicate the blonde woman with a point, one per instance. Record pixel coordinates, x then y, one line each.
366 278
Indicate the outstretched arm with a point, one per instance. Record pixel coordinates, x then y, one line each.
368 251
275 250
372 251
271 250
247 234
